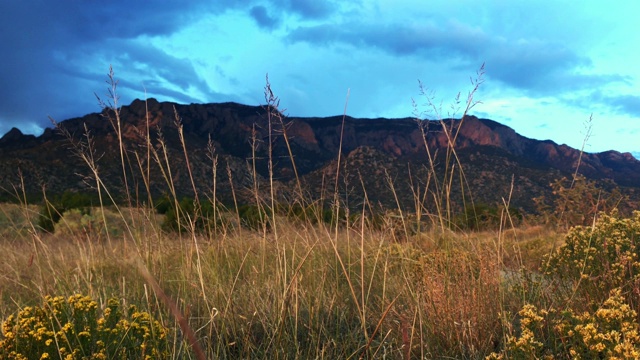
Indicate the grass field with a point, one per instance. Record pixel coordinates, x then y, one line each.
308 293
116 281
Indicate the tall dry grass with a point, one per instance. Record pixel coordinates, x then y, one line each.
287 288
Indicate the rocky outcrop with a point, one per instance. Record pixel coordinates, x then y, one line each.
15 139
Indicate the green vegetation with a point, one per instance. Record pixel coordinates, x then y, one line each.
53 209
316 278
485 217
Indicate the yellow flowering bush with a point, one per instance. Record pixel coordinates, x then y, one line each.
74 328
595 260
595 282
528 344
610 332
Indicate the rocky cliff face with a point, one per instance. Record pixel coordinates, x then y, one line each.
375 151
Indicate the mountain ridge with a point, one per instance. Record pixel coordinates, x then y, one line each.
493 151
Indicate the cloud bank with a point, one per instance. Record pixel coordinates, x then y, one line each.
58 54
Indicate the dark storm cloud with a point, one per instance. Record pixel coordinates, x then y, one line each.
262 17
627 104
397 39
535 66
56 53
267 15
155 63
84 21
620 104
312 9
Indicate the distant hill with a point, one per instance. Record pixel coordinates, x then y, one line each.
373 151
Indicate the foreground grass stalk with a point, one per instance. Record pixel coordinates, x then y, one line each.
272 110
235 199
336 193
175 311
211 154
179 126
116 124
399 206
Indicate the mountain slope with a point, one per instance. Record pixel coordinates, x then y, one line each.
375 151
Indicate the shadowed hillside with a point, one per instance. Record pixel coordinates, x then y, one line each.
375 151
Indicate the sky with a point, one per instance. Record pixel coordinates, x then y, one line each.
562 70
